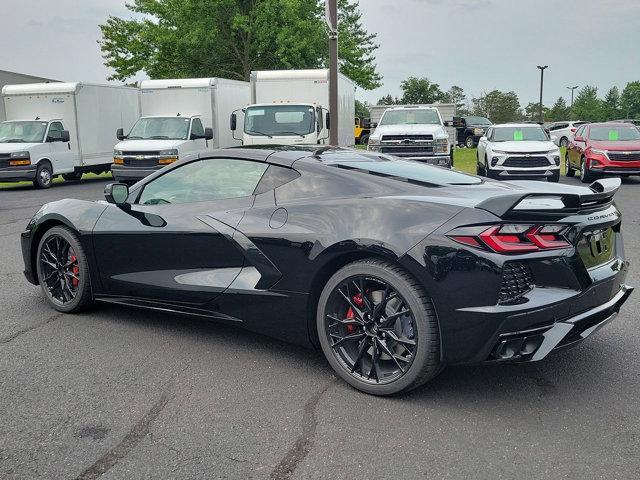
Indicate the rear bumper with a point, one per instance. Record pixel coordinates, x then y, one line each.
18 174
122 173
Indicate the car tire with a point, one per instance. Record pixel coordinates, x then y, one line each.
569 171
364 140
72 177
585 175
63 271
469 142
44 175
363 359
555 177
480 169
564 142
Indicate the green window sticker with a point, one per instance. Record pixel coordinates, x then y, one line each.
517 135
613 134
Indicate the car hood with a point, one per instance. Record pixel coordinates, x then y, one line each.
523 146
415 129
619 145
16 147
147 145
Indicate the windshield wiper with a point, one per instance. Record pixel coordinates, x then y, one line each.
260 133
158 137
134 137
13 140
290 133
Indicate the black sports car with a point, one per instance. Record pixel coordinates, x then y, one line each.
394 268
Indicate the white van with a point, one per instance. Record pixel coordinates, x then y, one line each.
61 129
181 119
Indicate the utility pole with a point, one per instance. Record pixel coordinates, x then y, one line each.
572 89
541 85
331 7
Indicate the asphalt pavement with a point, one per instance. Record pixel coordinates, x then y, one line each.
120 393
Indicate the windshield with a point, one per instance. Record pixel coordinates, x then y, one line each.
614 133
477 121
279 120
508 134
22 132
160 128
410 117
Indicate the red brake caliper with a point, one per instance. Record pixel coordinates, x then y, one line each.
357 299
76 271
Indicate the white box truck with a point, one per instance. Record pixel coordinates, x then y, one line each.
181 119
62 129
291 107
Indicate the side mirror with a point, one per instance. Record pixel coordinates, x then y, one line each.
448 123
116 193
327 121
64 136
208 133
233 122
120 134
578 139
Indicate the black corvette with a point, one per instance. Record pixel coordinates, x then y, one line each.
394 268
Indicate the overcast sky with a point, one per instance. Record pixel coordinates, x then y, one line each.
479 45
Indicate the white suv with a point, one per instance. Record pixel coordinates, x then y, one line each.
564 132
517 151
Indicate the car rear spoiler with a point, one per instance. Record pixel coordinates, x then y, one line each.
603 191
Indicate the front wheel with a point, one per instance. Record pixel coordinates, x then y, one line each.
569 171
44 175
469 142
63 271
585 175
378 328
364 140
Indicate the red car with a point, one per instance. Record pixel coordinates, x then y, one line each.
604 149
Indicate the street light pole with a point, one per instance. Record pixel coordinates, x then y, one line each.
332 23
572 89
541 85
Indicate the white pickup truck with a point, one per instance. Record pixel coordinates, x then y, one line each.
413 133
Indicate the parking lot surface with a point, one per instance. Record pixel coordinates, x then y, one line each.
120 393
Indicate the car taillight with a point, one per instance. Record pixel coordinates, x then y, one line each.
512 238
574 130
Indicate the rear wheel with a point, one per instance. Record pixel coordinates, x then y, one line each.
364 139
44 175
564 142
569 171
480 168
63 271
585 175
378 329
469 142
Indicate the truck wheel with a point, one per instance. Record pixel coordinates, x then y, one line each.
469 142
364 140
44 175
72 177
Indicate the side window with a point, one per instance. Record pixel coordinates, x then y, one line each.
489 134
274 177
55 132
580 132
203 181
197 128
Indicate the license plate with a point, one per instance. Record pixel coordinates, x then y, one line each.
597 247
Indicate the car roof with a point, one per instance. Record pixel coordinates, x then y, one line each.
516 125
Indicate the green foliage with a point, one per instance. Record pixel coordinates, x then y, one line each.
497 106
362 109
532 112
420 90
389 100
455 95
587 106
611 104
559 111
230 38
630 100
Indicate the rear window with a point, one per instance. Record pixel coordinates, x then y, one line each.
408 171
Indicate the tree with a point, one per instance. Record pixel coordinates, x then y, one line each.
362 109
420 90
532 112
559 111
389 100
611 104
455 95
587 106
498 106
630 100
230 38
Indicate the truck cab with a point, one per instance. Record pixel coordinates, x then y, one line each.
413 133
469 129
35 150
156 141
283 124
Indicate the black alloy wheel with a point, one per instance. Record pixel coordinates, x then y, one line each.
62 270
377 328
